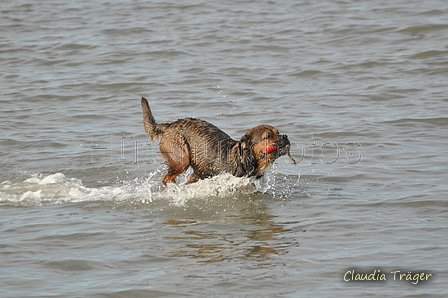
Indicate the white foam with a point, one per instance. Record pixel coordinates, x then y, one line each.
31 196
57 188
32 180
220 186
6 184
52 179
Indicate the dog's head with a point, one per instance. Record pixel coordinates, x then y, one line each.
264 144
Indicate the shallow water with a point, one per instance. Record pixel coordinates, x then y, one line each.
359 88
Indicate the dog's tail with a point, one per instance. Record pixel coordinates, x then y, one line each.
152 128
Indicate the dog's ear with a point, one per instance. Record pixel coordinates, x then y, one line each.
246 143
248 159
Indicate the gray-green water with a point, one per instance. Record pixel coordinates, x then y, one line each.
360 88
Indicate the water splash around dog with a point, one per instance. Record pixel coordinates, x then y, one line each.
57 188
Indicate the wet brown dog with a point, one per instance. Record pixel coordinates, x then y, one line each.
210 151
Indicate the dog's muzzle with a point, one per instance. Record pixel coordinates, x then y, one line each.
284 145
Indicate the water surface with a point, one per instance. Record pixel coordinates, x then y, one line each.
359 88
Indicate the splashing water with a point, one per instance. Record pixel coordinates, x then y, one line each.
59 189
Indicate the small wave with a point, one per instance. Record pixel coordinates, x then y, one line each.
441 121
414 30
59 189
52 189
429 54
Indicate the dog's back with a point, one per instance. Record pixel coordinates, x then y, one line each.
211 149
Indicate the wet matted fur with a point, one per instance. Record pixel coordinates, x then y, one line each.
210 151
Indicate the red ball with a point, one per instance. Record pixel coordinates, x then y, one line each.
270 149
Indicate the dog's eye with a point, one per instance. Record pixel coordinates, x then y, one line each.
268 137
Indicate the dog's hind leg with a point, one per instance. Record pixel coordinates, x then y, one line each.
176 153
193 178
